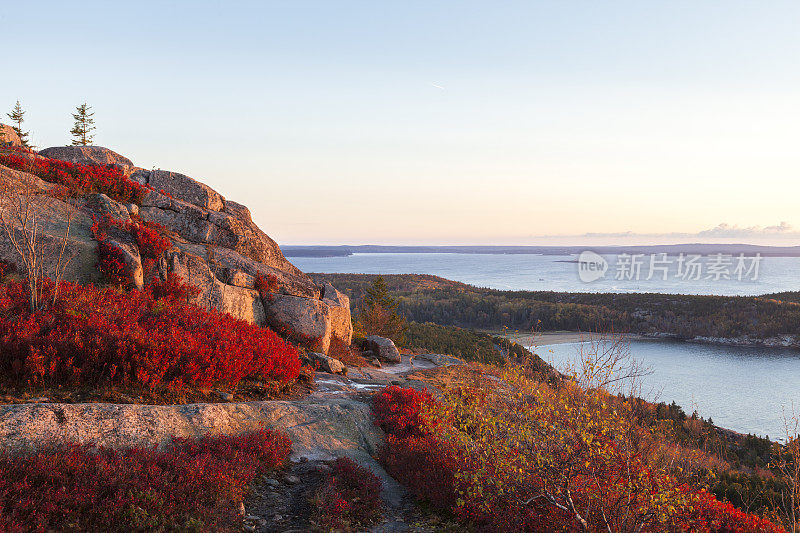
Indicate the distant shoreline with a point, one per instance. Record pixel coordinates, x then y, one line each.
669 249
549 338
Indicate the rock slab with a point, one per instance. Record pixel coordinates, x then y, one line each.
319 430
89 155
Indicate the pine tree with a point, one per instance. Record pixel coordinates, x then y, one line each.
17 116
84 125
378 314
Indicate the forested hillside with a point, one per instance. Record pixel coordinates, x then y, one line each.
425 298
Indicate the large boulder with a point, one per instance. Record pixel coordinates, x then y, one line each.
181 187
383 348
341 323
241 302
8 136
325 363
230 228
89 155
106 206
318 429
304 321
322 325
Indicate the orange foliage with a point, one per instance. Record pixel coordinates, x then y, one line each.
527 457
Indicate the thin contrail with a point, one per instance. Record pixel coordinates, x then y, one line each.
437 86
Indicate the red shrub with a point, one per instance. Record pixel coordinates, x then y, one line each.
411 454
350 497
96 336
173 288
149 237
266 284
709 515
111 264
78 178
149 240
147 234
195 485
398 411
425 466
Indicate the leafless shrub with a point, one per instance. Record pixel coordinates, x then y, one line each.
605 362
27 207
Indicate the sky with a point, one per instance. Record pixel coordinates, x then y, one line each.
439 122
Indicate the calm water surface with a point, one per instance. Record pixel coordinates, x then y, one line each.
743 389
551 273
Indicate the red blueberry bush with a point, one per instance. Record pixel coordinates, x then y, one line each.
411 453
709 515
92 337
173 287
350 497
78 178
266 284
149 239
147 234
111 264
541 459
194 485
398 411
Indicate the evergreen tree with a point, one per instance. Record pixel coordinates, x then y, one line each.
84 125
378 314
17 116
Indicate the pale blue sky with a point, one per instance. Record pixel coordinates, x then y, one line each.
437 122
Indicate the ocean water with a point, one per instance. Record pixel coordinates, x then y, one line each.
560 273
744 389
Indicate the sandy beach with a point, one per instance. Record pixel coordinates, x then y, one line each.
548 338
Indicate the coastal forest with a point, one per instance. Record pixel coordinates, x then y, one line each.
427 298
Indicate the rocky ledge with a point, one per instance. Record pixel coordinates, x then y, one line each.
335 421
216 246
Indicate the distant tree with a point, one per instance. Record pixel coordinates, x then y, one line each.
17 116
84 125
378 314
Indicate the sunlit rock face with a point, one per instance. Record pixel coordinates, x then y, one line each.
216 246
